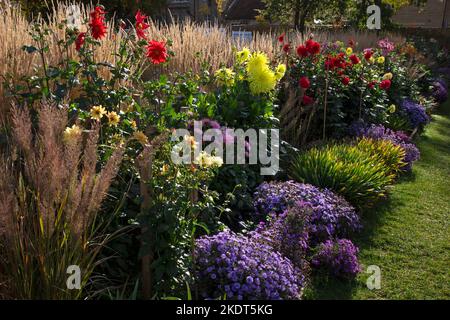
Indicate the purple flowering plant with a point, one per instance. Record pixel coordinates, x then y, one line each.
339 257
239 268
331 215
399 138
415 113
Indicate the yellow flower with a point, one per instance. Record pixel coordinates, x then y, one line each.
165 169
243 55
113 118
141 137
392 108
133 124
216 162
205 160
381 60
372 60
257 61
225 77
191 141
349 51
280 71
97 112
72 133
262 80
388 76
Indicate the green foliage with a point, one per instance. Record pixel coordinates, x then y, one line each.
348 169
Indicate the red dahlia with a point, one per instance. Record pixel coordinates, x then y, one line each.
385 84
141 24
368 54
156 52
307 100
345 81
302 51
281 38
354 59
97 23
304 82
312 46
287 47
79 42
372 84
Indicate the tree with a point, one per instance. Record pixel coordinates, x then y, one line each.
296 12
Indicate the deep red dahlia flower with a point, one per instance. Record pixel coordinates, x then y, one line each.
157 52
304 82
79 42
281 38
368 54
287 47
372 84
385 84
307 100
141 24
312 46
345 81
354 59
302 51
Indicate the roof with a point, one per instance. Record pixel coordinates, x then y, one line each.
243 9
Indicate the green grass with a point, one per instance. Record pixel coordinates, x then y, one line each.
408 235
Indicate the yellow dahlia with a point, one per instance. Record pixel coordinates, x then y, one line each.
113 118
262 80
225 77
280 71
97 112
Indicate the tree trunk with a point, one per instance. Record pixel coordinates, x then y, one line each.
297 15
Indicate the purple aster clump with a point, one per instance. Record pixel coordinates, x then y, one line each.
399 138
340 257
287 233
241 268
415 113
331 215
440 90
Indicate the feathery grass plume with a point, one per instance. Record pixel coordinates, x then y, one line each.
50 197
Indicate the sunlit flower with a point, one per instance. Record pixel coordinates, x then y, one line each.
72 133
113 118
140 137
302 51
225 77
157 52
257 61
312 46
97 23
381 60
372 60
141 24
97 112
304 82
354 59
133 124
280 71
165 169
262 80
205 160
385 84
190 140
243 55
349 51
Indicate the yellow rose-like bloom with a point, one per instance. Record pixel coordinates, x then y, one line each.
392 108
72 133
280 71
349 51
372 60
141 137
257 61
225 77
381 60
203 160
113 118
97 112
262 80
388 76
243 55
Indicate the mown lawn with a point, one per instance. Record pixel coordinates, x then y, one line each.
408 235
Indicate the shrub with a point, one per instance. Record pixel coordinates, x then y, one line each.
338 257
399 138
346 169
415 113
440 90
240 268
385 151
331 215
287 233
